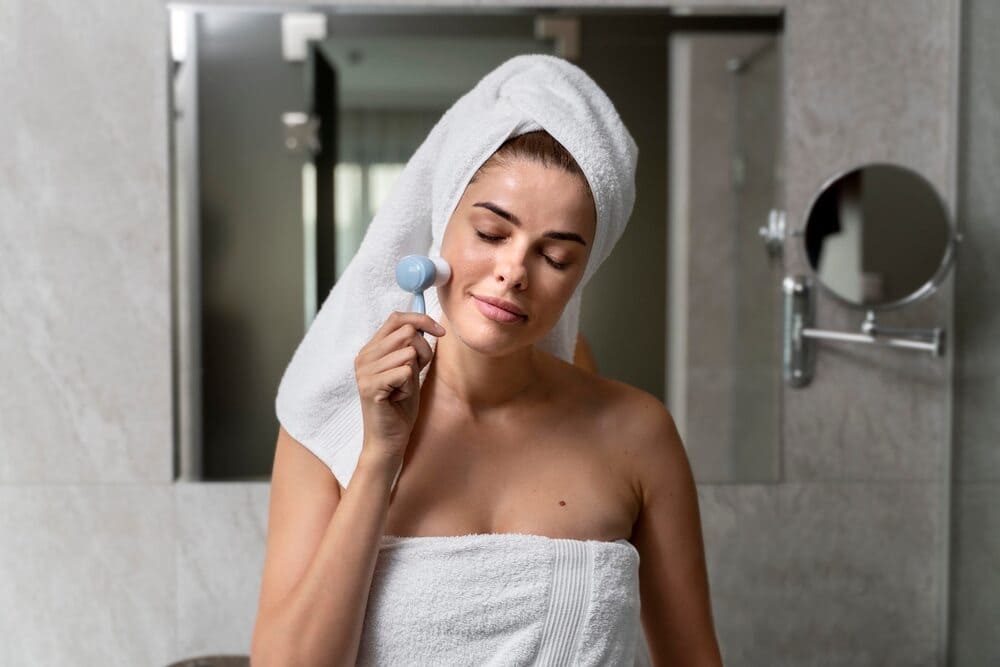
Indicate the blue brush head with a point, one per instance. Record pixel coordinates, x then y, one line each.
416 273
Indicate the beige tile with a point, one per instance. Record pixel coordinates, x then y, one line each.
222 528
87 575
84 235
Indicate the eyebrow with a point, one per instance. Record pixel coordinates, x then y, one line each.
510 217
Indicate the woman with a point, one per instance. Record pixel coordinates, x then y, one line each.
502 440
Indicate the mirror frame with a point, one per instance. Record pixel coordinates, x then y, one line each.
922 292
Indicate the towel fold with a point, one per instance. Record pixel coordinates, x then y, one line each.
317 401
503 599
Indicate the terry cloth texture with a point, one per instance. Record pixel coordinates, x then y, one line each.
503 599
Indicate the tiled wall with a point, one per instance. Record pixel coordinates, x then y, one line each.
106 561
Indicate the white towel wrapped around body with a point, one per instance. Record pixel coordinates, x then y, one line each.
503 599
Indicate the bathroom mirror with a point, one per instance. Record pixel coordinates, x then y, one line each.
289 127
878 236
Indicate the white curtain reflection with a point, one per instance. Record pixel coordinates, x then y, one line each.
375 145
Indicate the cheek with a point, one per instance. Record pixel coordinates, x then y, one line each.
563 296
563 291
468 260
469 264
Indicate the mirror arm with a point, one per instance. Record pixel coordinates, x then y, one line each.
934 336
798 357
932 345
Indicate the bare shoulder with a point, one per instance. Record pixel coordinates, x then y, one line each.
641 420
634 424
636 407
623 406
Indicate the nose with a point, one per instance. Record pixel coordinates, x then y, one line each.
510 269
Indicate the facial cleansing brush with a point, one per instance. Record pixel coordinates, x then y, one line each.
416 273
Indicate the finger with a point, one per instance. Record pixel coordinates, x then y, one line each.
424 351
407 333
393 341
394 359
421 321
428 324
393 322
390 324
397 329
395 383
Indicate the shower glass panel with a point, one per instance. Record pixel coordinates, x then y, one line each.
724 372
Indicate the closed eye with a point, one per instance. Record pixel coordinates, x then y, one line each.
493 239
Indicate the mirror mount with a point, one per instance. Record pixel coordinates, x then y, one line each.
799 354
773 234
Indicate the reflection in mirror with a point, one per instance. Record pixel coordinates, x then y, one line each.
283 151
390 93
876 236
725 337
281 160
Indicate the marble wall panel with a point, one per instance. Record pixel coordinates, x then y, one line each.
84 241
221 530
87 574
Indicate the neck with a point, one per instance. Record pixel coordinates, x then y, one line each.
480 384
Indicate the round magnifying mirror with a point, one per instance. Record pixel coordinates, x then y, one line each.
879 236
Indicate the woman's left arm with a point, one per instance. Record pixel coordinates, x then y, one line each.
673 578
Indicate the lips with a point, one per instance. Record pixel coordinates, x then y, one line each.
500 303
495 313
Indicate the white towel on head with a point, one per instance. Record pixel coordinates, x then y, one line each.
317 401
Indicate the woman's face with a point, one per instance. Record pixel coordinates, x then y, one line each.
521 233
